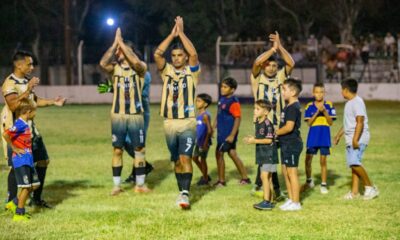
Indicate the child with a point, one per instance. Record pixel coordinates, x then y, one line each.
291 143
203 133
356 134
228 122
266 151
19 139
319 115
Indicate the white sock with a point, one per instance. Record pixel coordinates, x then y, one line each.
140 180
117 181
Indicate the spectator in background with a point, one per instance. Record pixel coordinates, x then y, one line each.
312 48
373 45
389 44
326 43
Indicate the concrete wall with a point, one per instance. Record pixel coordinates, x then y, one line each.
88 94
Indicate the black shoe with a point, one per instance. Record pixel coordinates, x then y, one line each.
41 204
131 179
149 168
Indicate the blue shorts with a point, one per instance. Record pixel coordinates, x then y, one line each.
354 156
180 135
125 127
324 151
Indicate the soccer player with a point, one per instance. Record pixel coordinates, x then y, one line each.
356 131
17 87
319 114
127 75
19 139
291 143
180 79
266 82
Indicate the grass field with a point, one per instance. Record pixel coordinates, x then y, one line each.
79 182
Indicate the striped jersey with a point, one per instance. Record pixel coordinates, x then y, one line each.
128 86
179 91
270 89
319 134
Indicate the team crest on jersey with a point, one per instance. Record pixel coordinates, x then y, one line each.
114 138
262 131
26 180
333 112
189 108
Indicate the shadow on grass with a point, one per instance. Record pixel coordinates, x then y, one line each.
162 168
198 192
60 190
332 177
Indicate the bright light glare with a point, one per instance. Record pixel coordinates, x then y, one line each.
110 21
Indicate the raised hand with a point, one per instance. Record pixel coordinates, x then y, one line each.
33 83
179 24
59 101
275 39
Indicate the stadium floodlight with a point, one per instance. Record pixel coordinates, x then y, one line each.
110 21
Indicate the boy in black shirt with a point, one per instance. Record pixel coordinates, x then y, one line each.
291 143
266 151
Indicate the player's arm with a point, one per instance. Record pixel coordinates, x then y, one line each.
206 121
312 119
105 62
187 44
289 126
235 130
283 52
7 138
260 60
327 116
339 135
358 131
253 140
159 53
44 102
133 60
13 99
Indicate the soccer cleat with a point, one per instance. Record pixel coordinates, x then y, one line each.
141 189
10 206
284 205
351 196
131 179
116 191
292 207
40 204
245 181
324 189
184 202
21 217
264 205
371 192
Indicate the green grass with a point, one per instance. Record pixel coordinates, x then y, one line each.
79 181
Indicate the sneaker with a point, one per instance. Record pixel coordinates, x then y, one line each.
219 184
183 201
310 184
131 179
10 206
21 217
284 205
292 207
116 191
264 205
40 204
257 191
149 168
370 192
351 196
324 189
141 189
203 182
244 181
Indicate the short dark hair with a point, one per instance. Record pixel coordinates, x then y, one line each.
21 55
272 58
350 84
134 48
206 98
230 82
264 104
318 84
24 107
178 45
294 84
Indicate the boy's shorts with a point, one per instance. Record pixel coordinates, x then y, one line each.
354 156
26 177
269 167
324 151
290 153
180 135
123 126
226 146
198 152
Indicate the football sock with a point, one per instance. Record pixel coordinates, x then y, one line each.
323 184
117 175
309 180
186 181
179 181
12 185
41 172
140 176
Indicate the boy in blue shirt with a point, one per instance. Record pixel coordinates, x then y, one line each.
203 136
19 138
319 115
228 122
291 143
266 151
